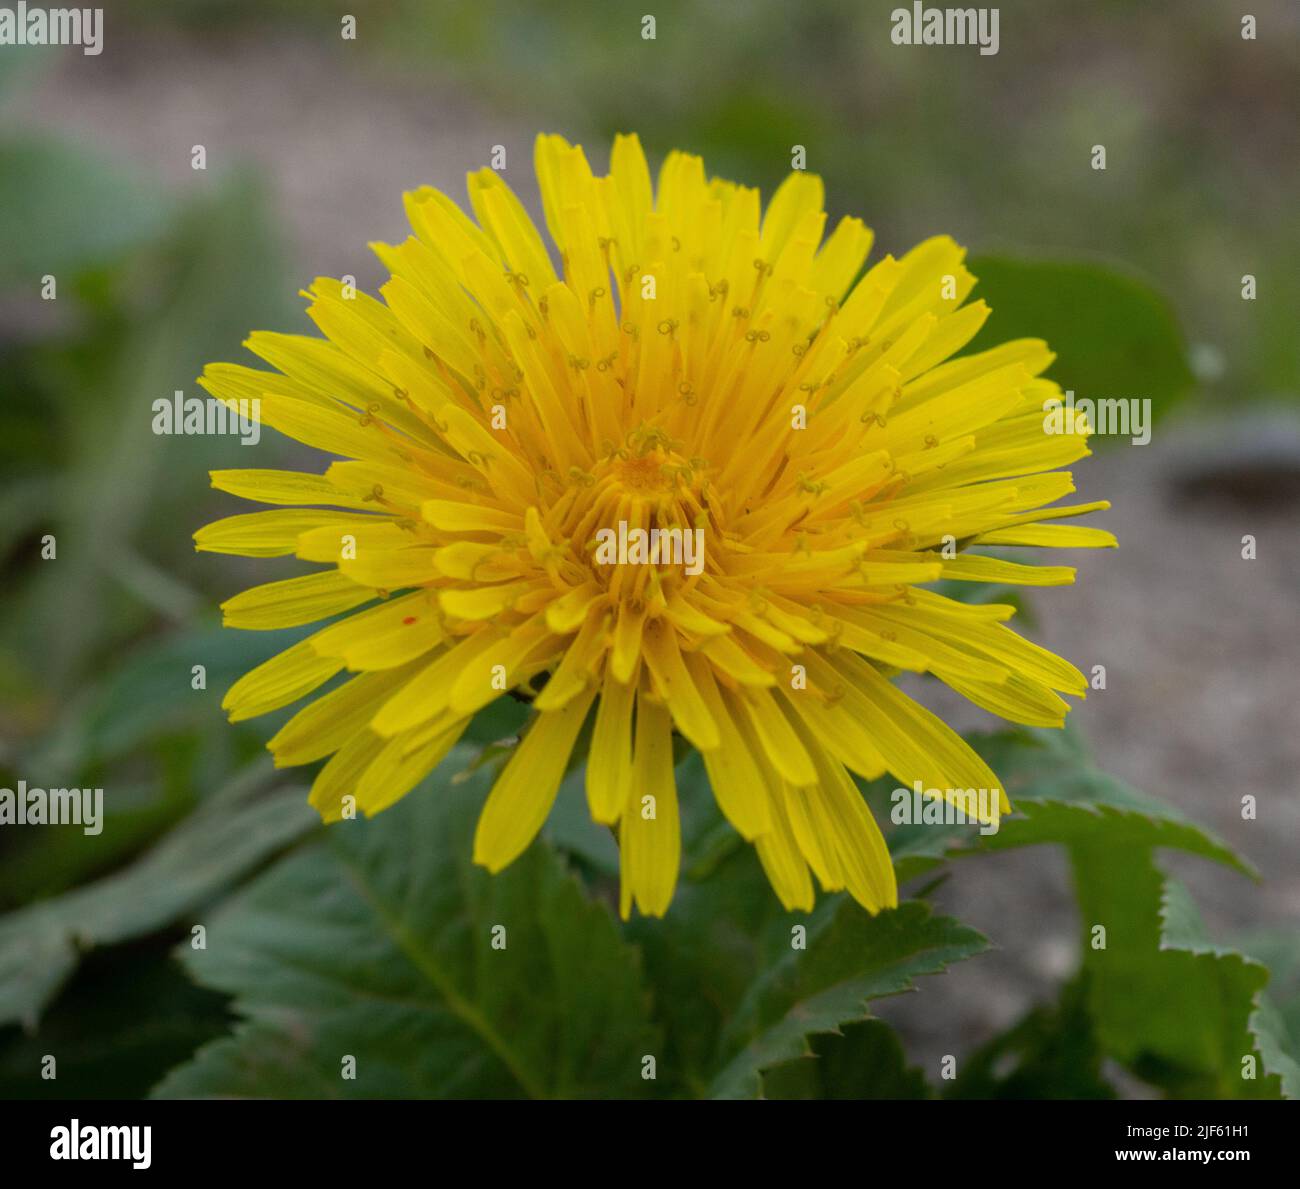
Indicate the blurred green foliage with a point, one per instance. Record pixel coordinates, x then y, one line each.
98 644
1198 126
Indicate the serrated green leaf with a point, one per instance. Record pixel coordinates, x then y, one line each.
1278 948
1183 930
1278 1048
377 943
863 1062
228 836
1178 1010
853 959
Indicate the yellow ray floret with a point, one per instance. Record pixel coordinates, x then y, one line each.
675 474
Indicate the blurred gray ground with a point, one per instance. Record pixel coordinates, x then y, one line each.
1199 645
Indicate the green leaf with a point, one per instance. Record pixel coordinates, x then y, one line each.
864 1062
39 864
1052 1052
721 958
1279 1047
377 943
1175 1009
1114 336
1278 948
228 836
1178 1010
853 959
1057 795
1183 930
725 927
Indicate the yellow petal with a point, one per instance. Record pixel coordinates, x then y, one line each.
578 666
384 637
500 667
456 517
568 612
425 695
733 775
341 541
294 601
503 217
971 567
334 791
283 679
800 193
524 792
677 687
483 602
392 569
862 857
831 724
353 435
841 257
1018 699
916 744
780 742
285 487
609 761
268 534
649 838
1054 536
734 661
626 649
778 852
323 726
395 770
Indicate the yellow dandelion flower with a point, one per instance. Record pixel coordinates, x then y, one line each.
695 481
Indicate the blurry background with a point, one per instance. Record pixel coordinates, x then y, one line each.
310 141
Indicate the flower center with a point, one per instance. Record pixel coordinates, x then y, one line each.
653 472
644 519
